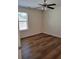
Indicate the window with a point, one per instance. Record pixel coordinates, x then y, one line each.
23 21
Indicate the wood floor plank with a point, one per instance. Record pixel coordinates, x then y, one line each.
41 46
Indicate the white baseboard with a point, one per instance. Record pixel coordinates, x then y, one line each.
53 35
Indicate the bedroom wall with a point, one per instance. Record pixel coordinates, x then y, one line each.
52 22
47 22
34 22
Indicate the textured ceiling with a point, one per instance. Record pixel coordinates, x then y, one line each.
35 3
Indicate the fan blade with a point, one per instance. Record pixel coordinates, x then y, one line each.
51 4
50 7
41 4
45 0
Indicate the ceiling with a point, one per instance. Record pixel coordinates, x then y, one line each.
35 3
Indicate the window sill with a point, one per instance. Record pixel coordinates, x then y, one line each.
23 30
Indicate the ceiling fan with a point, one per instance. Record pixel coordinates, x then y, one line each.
46 5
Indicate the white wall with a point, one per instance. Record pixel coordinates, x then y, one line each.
19 45
48 22
34 22
52 22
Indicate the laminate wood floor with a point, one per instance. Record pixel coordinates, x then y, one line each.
41 46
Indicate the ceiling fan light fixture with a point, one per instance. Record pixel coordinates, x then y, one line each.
45 8
46 2
45 5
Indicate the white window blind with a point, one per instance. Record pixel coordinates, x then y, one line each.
23 20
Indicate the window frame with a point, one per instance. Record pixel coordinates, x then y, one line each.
23 21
